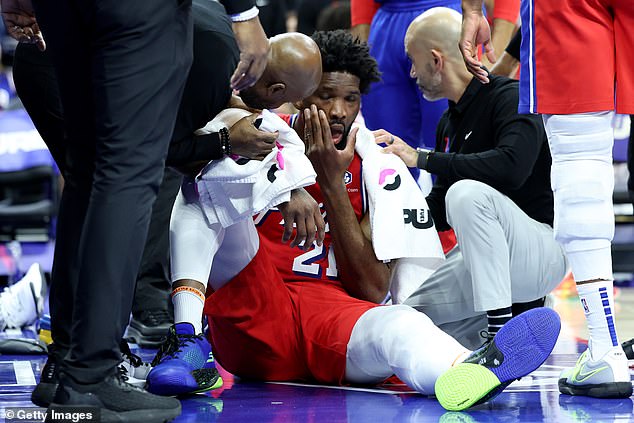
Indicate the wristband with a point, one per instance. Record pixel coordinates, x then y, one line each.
423 157
247 15
225 141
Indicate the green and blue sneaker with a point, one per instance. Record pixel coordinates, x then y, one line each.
520 347
184 364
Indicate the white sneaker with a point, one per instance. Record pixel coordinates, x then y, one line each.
21 304
608 377
132 368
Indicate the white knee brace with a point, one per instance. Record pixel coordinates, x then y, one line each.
582 179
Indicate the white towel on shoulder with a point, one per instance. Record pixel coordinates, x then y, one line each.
401 224
232 190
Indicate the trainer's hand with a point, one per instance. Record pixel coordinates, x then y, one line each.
397 146
248 141
254 51
302 211
476 31
19 20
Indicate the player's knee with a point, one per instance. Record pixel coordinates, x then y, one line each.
582 136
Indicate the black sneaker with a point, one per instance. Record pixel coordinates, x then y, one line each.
44 391
117 400
149 328
628 347
132 369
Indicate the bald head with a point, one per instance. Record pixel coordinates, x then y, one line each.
431 43
437 28
293 72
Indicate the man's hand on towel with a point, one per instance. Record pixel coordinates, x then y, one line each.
330 163
397 146
302 211
248 141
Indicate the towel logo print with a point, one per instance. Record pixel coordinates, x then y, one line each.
383 176
347 177
419 218
270 175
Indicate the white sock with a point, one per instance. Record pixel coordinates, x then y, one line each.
188 307
597 299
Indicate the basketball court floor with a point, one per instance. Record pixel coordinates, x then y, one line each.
534 398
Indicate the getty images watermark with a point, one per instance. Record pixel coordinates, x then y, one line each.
52 415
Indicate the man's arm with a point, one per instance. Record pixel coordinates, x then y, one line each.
361 14
510 59
475 31
251 38
19 20
362 275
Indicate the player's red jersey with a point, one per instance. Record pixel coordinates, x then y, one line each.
318 263
295 264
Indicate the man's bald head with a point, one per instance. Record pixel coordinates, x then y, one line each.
293 72
437 28
431 42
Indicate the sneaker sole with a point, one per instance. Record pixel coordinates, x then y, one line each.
176 389
526 341
599 390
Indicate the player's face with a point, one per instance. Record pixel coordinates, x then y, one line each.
338 95
428 79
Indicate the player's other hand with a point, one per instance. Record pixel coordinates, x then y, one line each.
302 212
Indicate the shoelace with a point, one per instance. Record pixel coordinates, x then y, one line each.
134 359
173 345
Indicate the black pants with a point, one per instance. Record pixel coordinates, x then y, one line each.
121 68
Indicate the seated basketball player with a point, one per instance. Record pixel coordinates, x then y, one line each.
279 314
293 71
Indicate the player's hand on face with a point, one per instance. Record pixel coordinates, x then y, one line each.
250 142
476 31
302 211
19 20
397 146
254 51
329 162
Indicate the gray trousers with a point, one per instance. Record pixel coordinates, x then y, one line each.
503 257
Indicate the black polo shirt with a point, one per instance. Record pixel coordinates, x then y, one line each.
482 137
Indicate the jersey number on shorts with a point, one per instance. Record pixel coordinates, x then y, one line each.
305 264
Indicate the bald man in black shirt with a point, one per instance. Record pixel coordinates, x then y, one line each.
492 168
